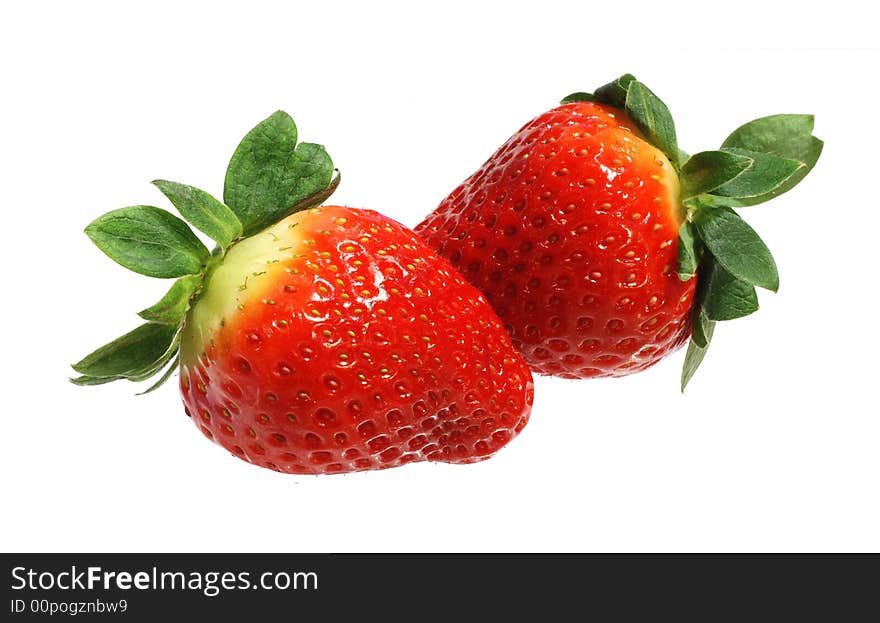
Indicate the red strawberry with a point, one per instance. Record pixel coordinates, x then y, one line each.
572 230
331 341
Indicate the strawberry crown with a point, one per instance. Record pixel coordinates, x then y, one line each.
269 177
757 162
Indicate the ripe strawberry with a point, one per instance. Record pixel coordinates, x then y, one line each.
331 341
586 228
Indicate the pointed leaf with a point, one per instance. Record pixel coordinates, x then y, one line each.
208 214
687 253
786 136
580 96
707 170
94 380
762 179
692 360
172 307
614 93
151 370
703 329
653 118
724 297
269 173
149 241
737 247
162 379
130 354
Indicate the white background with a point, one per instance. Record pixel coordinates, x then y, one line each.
775 446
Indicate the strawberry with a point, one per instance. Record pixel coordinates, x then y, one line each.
312 340
602 246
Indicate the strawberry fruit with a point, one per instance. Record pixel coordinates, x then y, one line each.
311 340
602 246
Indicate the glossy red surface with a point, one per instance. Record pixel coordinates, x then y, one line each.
367 351
570 230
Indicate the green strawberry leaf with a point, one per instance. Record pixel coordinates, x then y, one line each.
158 364
172 307
614 93
202 210
580 96
149 241
724 297
162 379
86 380
130 355
762 179
692 360
687 253
736 247
786 136
653 118
708 170
269 173
703 328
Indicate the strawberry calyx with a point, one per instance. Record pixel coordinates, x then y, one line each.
757 162
270 176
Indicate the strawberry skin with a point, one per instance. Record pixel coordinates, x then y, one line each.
571 231
336 341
